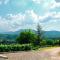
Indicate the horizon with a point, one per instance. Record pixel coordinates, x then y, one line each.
25 14
26 29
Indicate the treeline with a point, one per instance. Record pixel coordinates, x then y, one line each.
29 37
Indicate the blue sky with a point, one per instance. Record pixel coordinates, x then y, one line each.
21 14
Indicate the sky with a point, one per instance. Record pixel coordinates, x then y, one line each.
22 14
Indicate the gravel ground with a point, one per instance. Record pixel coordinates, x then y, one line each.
50 54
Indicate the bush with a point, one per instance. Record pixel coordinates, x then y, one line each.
43 43
57 42
26 37
50 42
17 47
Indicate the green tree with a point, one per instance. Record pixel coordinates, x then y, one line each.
26 37
50 42
39 34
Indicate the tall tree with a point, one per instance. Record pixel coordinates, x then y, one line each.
39 34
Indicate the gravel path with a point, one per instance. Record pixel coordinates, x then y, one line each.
51 54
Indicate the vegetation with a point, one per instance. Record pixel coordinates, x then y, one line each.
39 34
26 37
14 47
26 40
27 47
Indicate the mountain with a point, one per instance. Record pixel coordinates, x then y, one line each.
13 35
15 32
52 34
8 36
47 34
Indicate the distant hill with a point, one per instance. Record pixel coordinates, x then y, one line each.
15 32
8 36
13 35
52 34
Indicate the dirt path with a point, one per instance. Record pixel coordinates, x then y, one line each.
50 54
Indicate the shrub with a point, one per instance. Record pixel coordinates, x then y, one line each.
26 37
57 42
50 42
17 47
43 43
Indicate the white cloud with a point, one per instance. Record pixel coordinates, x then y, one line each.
50 17
37 1
47 4
57 15
55 5
52 25
13 22
4 25
29 19
32 15
52 21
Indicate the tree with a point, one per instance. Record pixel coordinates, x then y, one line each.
26 37
39 34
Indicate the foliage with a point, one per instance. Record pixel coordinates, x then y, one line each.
43 43
39 34
26 37
27 47
57 42
15 47
50 42
5 41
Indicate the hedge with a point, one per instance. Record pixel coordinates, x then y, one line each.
17 47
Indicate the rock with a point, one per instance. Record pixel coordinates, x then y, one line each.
2 57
